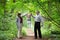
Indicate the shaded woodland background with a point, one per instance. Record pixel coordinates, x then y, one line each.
50 10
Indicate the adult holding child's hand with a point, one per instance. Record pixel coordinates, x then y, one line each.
38 23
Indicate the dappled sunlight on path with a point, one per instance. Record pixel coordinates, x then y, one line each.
29 32
30 35
28 38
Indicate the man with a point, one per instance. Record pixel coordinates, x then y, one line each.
37 26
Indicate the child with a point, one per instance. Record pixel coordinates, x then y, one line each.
29 20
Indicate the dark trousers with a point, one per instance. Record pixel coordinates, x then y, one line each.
37 28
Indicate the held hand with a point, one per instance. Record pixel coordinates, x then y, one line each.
31 14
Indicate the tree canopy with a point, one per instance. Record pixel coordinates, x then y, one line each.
50 9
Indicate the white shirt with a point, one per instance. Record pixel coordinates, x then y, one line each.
38 18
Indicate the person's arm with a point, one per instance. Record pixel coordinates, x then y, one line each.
32 16
24 14
16 20
42 20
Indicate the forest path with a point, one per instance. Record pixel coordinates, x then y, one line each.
30 36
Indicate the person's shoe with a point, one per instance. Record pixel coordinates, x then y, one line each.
35 38
20 37
40 38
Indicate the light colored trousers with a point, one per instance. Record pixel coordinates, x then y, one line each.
29 24
19 26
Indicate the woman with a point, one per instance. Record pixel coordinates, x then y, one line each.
19 25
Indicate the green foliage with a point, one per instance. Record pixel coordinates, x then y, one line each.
24 31
48 8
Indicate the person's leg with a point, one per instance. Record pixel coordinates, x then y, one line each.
18 33
29 24
20 30
35 30
39 31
